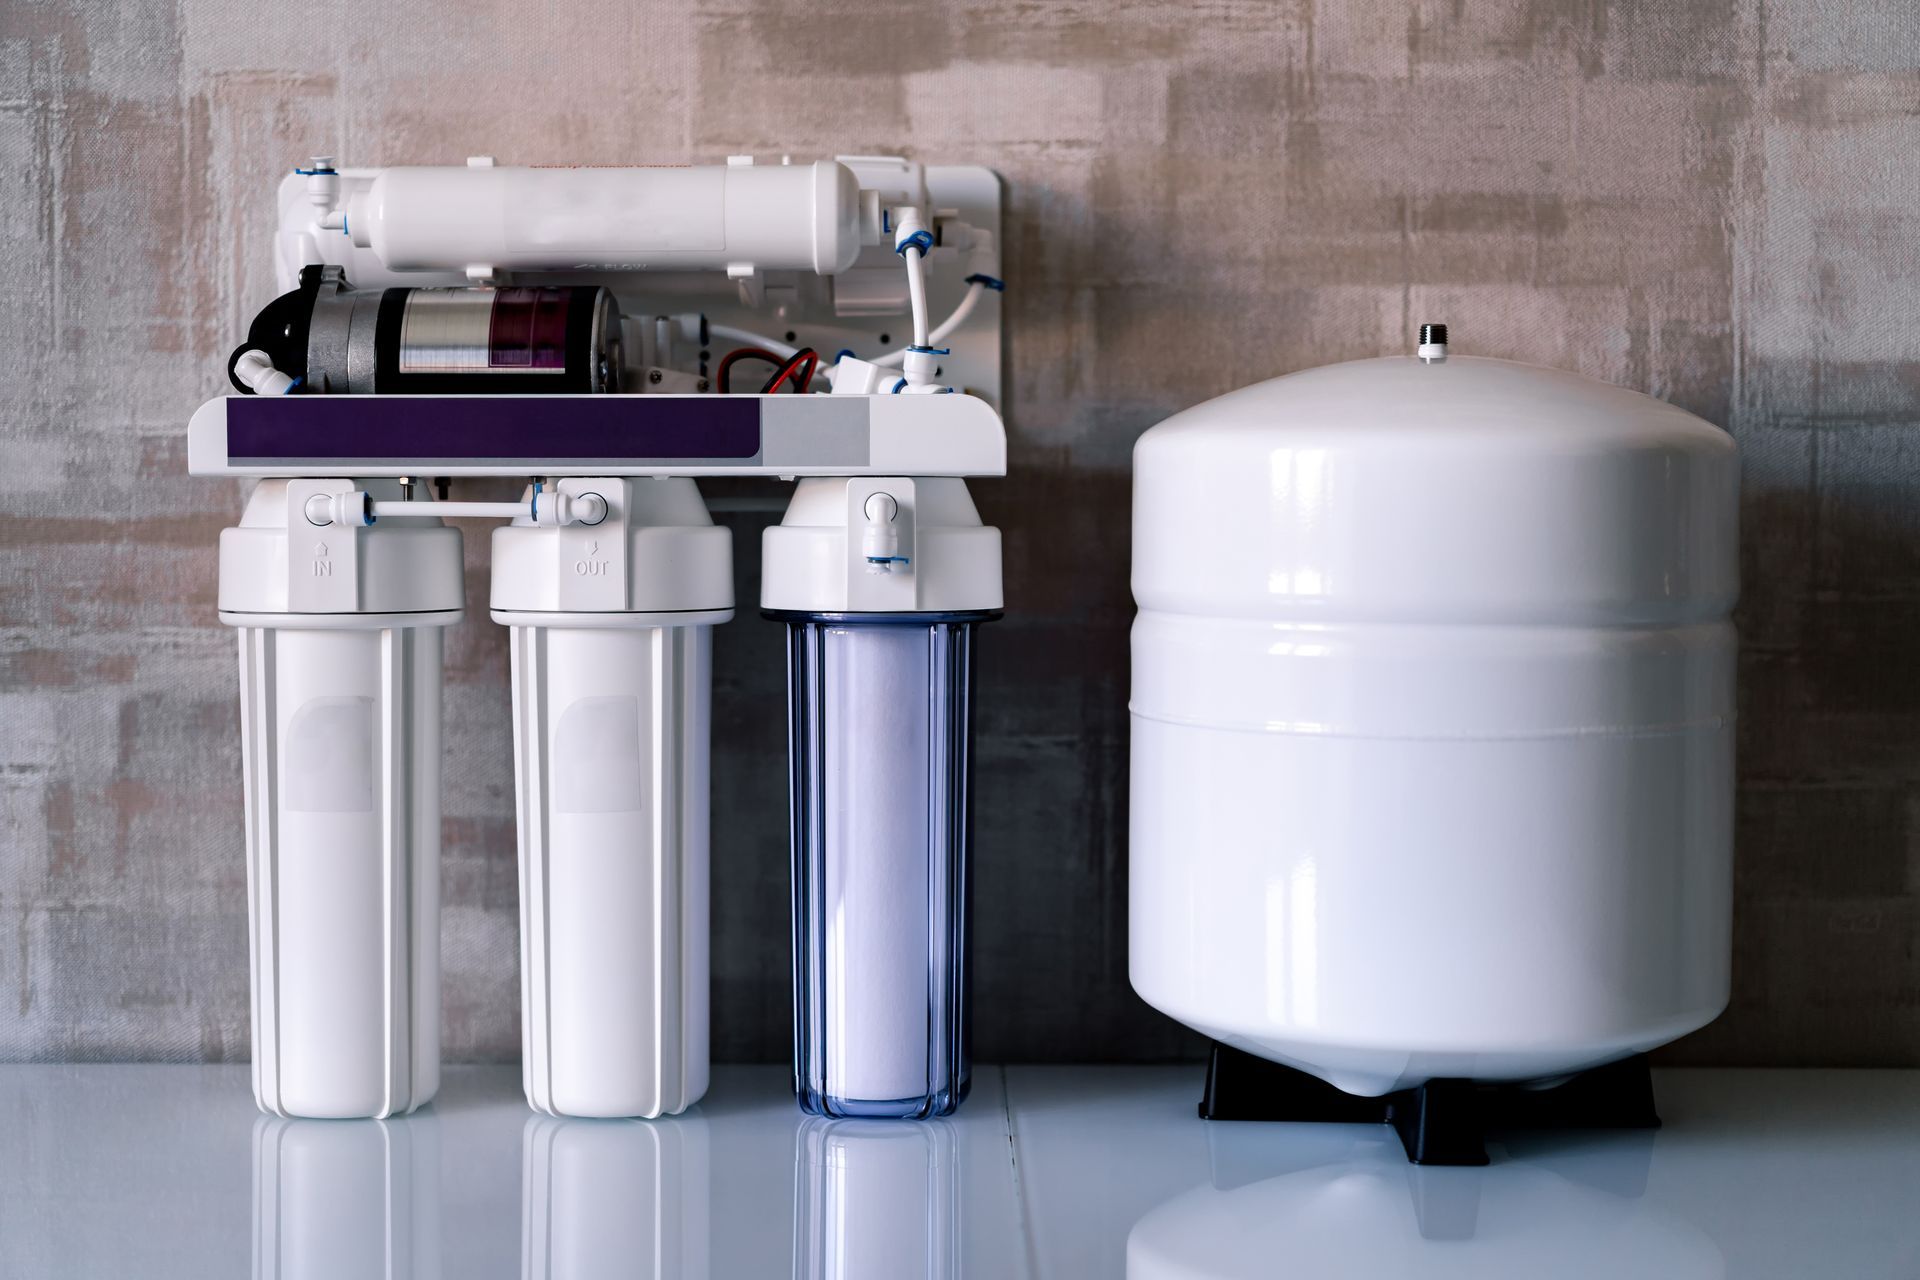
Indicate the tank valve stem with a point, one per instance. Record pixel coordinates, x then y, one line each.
1433 343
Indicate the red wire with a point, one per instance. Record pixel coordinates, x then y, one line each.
721 374
791 371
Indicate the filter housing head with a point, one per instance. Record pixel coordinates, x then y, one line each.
278 562
880 544
655 550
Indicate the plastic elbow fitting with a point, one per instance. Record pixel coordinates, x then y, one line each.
852 376
255 370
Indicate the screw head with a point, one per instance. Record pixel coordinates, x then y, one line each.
653 375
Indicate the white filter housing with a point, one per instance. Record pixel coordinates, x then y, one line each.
1432 714
612 694
742 217
340 644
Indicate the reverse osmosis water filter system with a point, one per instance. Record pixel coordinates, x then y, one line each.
1432 703
602 335
1432 725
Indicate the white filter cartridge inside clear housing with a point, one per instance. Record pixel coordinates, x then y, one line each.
876 864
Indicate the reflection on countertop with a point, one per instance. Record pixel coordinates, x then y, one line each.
629 1198
168 1171
1344 1201
346 1198
874 1199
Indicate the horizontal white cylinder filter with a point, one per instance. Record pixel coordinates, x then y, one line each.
767 217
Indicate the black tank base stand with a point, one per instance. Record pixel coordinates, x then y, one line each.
1442 1122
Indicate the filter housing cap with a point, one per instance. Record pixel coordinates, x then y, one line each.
277 562
656 551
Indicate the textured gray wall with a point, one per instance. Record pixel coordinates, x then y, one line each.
1716 201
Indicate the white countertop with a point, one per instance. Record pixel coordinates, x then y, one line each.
164 1171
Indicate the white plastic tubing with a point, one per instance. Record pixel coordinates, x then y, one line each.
912 243
893 358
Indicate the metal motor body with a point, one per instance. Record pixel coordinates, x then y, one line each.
476 340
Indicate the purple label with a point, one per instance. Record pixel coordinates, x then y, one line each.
402 429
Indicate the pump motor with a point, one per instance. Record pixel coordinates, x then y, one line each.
332 339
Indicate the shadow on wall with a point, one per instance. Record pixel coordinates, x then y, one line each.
1825 914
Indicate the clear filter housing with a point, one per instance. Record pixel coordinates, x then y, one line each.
879 720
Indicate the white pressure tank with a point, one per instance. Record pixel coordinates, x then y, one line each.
1433 701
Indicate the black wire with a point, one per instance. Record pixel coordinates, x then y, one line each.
788 370
724 375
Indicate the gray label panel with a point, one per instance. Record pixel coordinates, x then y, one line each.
815 431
